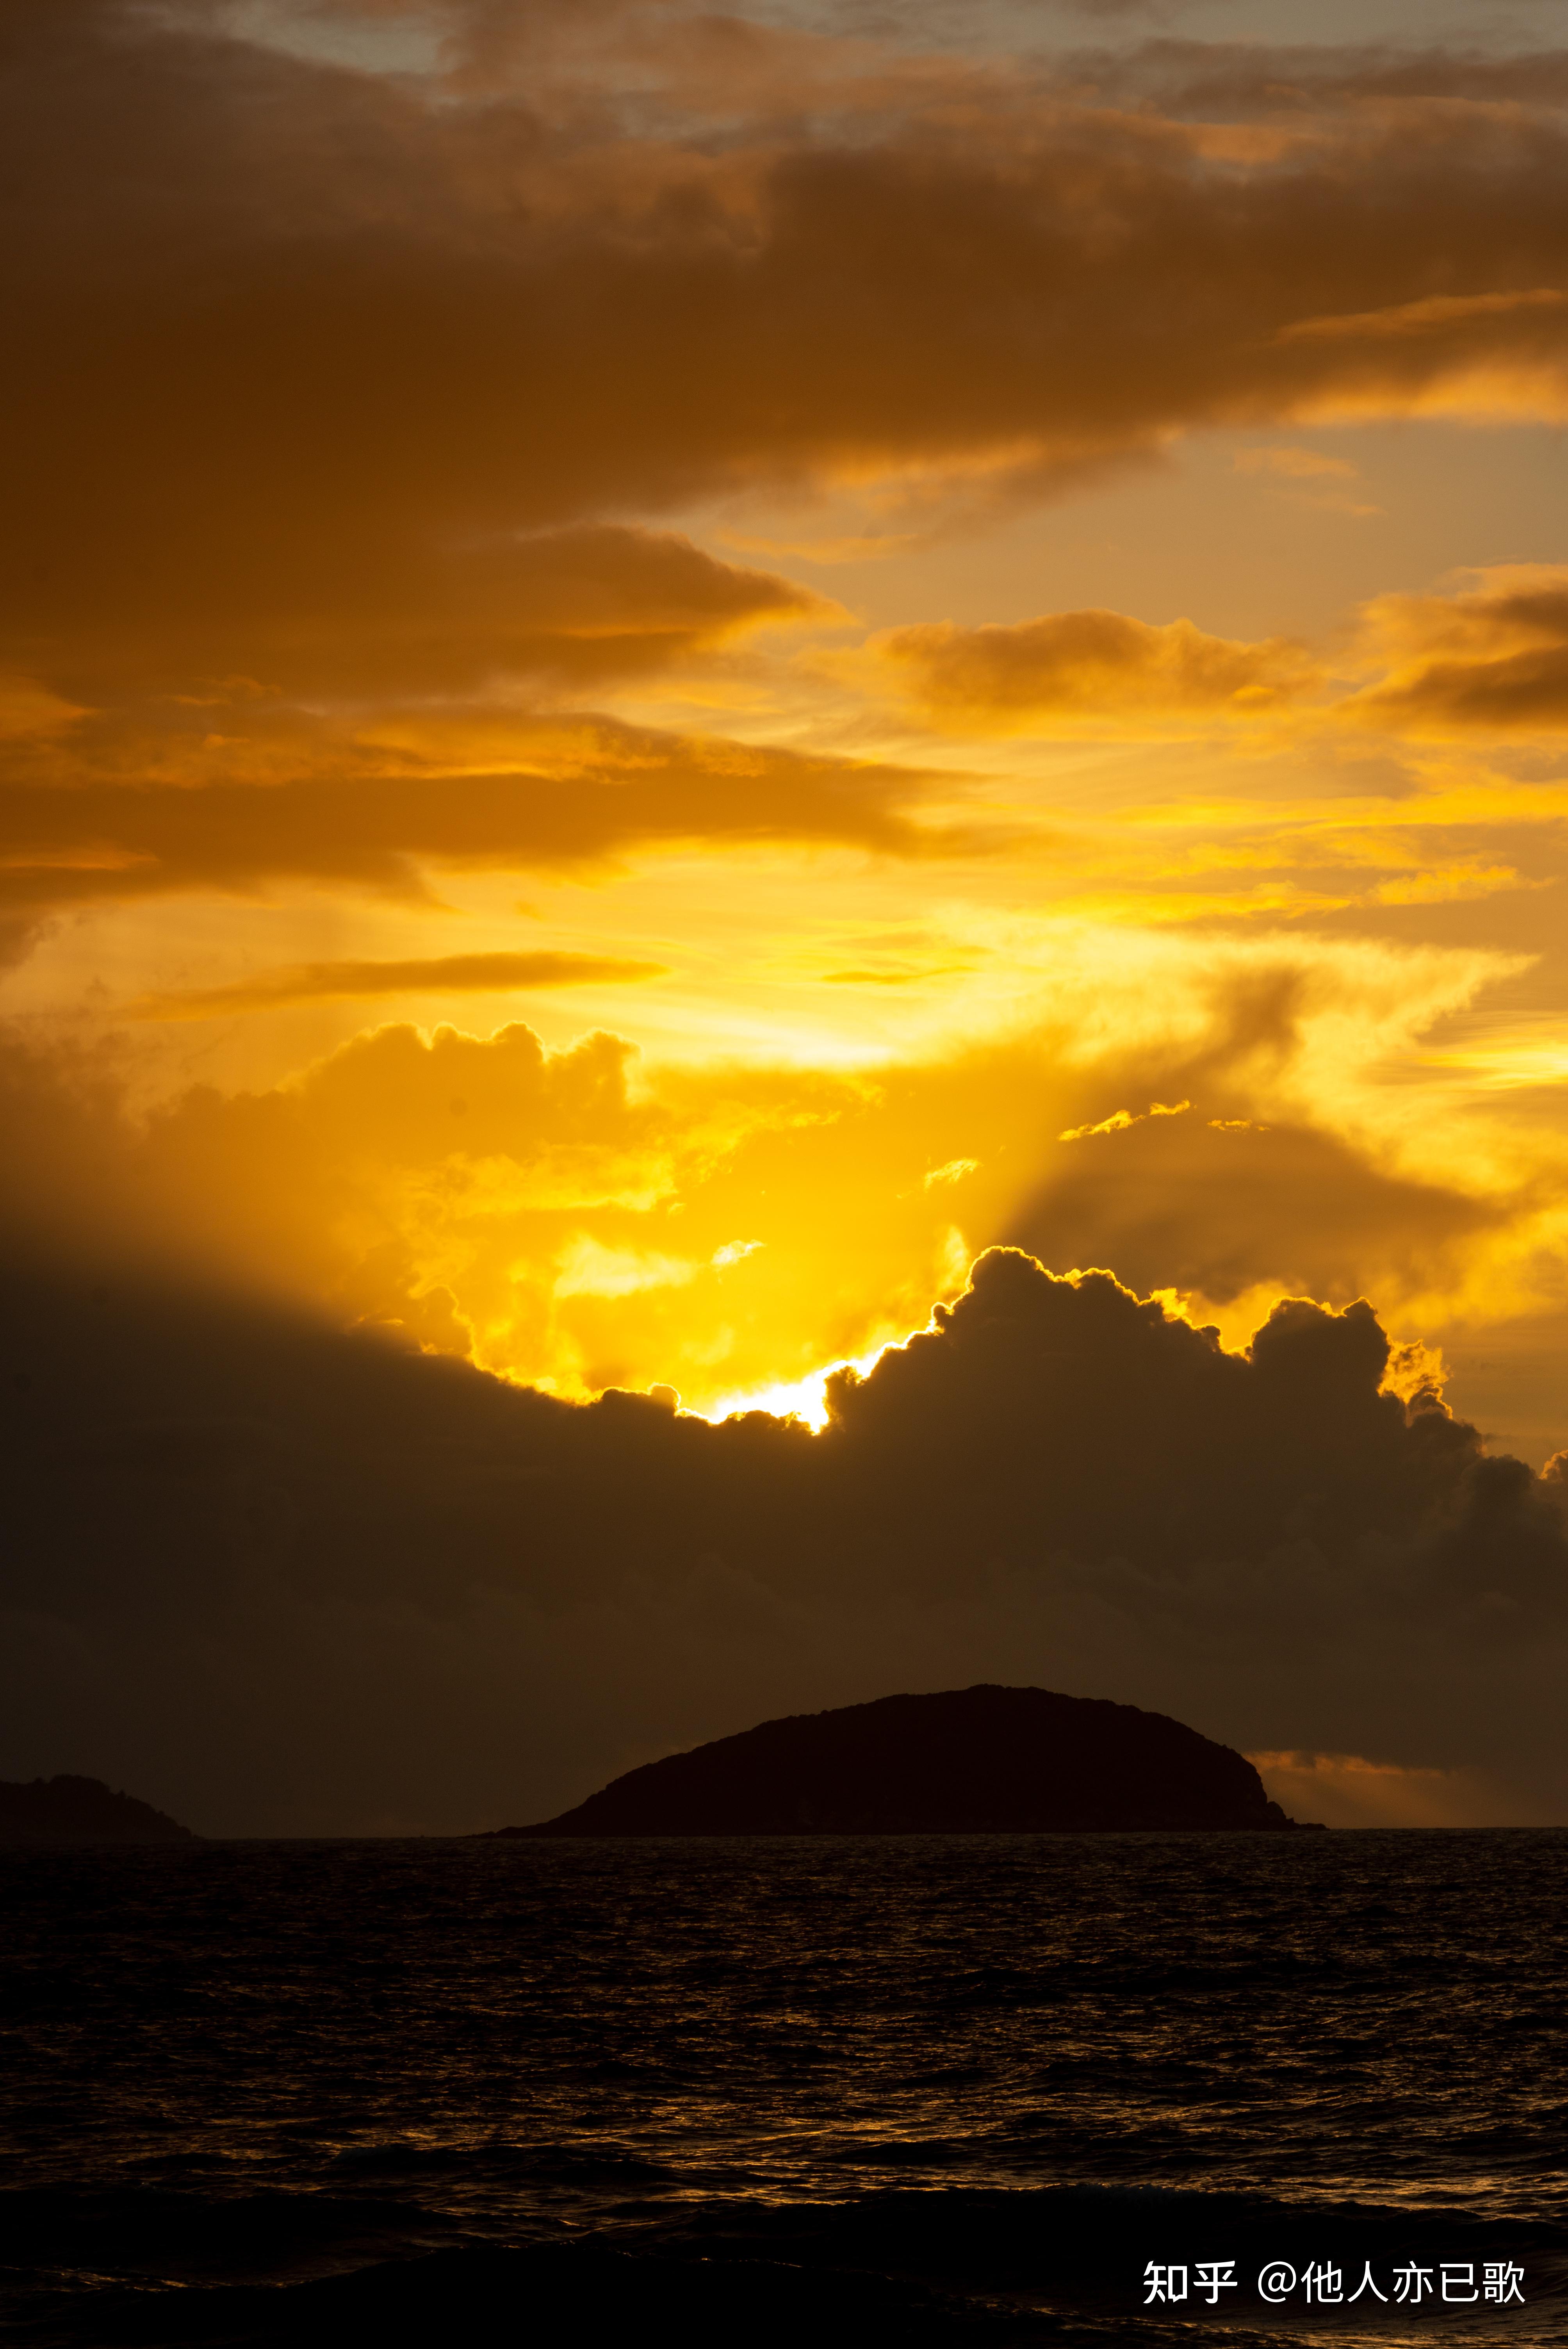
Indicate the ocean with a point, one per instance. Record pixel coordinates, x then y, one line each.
1039 2088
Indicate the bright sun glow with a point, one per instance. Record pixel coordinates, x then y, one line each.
797 1398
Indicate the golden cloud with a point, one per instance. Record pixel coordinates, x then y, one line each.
307 357
556 610
368 806
344 391
469 973
1120 1120
573 1218
1492 660
1430 315
1097 666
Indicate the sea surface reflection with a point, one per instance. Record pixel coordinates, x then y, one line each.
911 2088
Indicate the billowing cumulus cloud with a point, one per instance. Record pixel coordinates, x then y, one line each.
284 1579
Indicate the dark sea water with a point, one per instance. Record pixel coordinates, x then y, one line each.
903 2090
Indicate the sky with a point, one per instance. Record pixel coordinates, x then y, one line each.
694 696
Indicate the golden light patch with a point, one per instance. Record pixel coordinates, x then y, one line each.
27 707
1343 1790
1433 314
1120 1120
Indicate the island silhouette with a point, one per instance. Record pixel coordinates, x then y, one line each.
986 1760
80 1810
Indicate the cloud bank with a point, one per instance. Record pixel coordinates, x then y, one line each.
352 392
284 1579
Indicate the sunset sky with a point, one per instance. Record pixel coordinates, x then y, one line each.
665 671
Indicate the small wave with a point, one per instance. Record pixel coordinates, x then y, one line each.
1059 2265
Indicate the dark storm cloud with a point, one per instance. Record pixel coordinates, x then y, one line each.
282 1577
1215 1200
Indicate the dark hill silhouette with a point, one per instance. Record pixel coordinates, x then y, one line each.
80 1810
977 1761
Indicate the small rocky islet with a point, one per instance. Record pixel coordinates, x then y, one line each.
986 1760
72 1810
